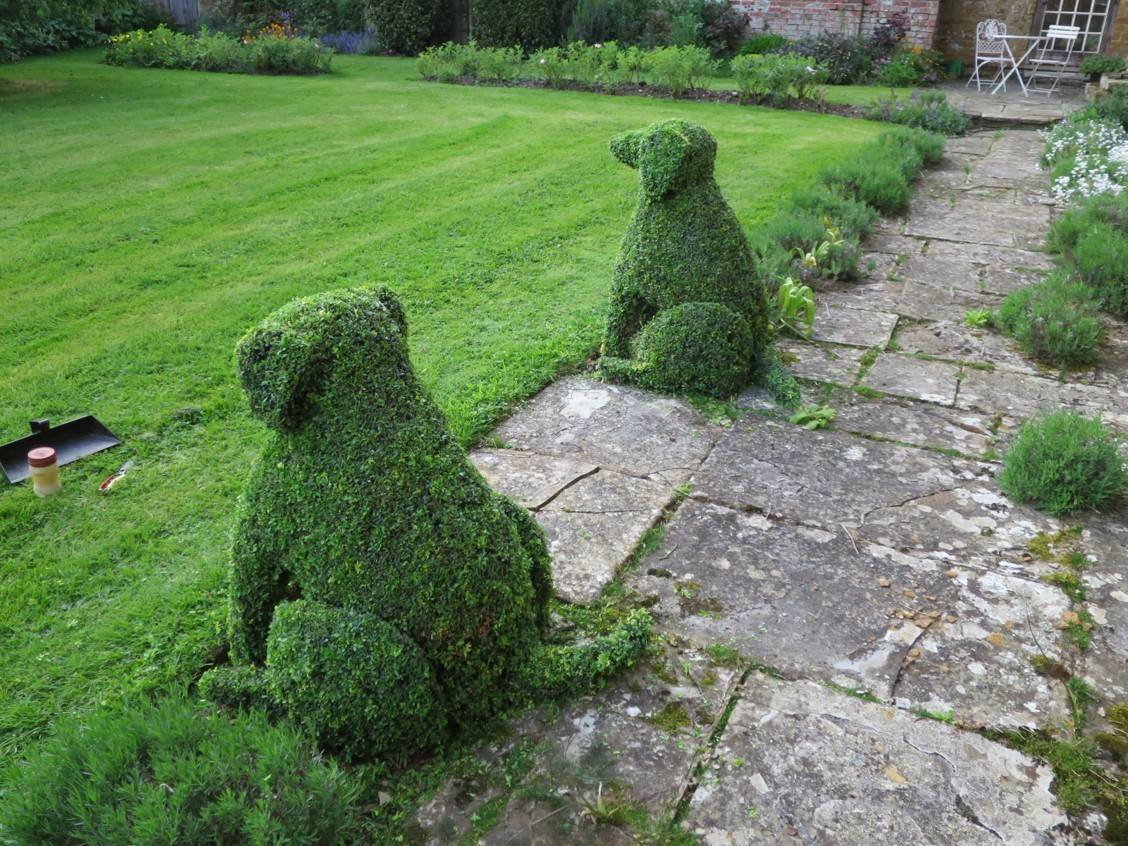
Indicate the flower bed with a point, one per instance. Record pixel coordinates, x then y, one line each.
272 50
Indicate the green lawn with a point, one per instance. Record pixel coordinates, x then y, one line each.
150 217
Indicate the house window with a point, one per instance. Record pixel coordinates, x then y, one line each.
1093 17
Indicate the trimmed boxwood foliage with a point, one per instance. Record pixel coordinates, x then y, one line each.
403 26
1054 321
684 246
167 773
530 23
1062 462
364 506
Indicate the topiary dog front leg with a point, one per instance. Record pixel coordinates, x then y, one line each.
258 582
628 313
540 562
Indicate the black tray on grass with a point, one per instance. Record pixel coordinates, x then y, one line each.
72 440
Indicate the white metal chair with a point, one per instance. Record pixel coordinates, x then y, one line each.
991 48
1050 60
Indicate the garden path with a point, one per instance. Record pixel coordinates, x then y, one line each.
824 596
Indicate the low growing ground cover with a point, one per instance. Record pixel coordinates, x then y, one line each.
153 216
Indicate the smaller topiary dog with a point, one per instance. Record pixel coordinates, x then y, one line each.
687 311
389 592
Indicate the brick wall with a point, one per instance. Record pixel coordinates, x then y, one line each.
796 18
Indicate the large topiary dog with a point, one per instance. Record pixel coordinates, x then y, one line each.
390 593
687 310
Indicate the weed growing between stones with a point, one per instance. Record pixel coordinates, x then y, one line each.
1062 462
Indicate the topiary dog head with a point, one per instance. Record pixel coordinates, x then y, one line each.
670 155
284 361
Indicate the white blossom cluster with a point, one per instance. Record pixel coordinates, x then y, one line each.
1088 158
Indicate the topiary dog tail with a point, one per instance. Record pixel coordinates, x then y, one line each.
558 671
773 375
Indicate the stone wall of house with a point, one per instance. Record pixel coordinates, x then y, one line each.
956 28
1118 42
796 18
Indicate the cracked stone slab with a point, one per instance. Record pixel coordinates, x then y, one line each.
821 478
527 478
820 363
853 326
827 604
976 267
613 426
873 295
800 764
960 342
978 221
919 424
894 244
620 743
914 378
1019 395
593 518
975 144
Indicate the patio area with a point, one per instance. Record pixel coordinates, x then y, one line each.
1011 107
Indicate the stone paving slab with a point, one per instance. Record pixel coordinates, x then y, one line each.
959 342
917 423
853 326
821 478
978 221
914 378
616 427
1020 395
838 364
593 518
827 604
800 764
922 301
632 746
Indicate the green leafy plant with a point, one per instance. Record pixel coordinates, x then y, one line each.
776 77
912 66
448 62
979 318
1062 462
531 24
1101 262
272 52
795 307
403 26
169 773
1055 321
762 43
680 69
814 416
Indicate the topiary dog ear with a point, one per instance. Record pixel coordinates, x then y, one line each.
278 368
661 155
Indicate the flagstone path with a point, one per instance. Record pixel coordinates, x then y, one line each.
824 595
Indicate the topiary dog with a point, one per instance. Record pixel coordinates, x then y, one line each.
389 592
687 310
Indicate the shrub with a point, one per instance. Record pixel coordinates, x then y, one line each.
1067 229
680 68
424 594
217 51
912 66
873 180
1101 259
530 23
1112 105
324 16
684 250
447 62
167 773
403 26
762 44
776 76
1054 321
845 59
852 217
499 64
1062 462
888 35
1100 63
722 28
821 252
599 21
928 110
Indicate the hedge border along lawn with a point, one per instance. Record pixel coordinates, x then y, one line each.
153 216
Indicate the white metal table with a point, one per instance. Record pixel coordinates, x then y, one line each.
1015 64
